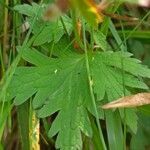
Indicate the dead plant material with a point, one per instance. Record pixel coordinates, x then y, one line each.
129 101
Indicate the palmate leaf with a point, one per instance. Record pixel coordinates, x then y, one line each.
61 85
113 73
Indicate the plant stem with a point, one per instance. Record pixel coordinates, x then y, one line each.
5 38
64 26
90 87
124 90
136 27
76 33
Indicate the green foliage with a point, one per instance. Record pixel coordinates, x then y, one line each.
59 84
28 10
113 125
100 40
52 31
140 140
45 31
106 70
5 112
23 121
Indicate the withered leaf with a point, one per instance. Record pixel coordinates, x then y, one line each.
129 101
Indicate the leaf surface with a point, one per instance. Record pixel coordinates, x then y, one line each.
113 73
61 86
52 31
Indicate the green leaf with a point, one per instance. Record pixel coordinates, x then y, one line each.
140 140
131 119
61 86
114 130
52 31
23 121
100 40
124 61
62 48
145 110
45 31
110 70
113 73
97 144
28 10
5 112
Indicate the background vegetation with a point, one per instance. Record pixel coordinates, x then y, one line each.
59 65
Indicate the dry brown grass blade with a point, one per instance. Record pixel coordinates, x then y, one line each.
129 101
